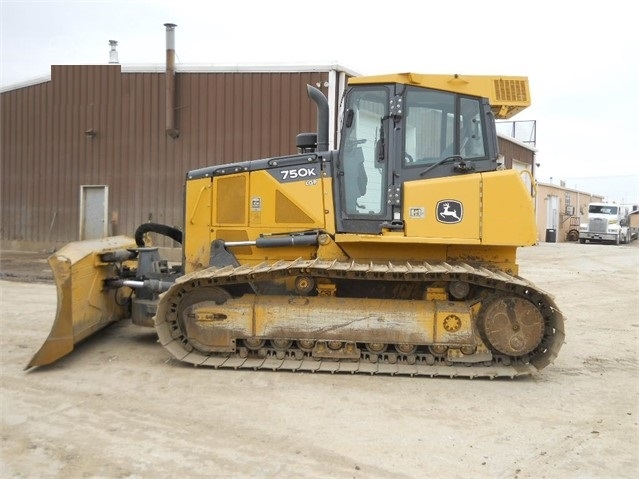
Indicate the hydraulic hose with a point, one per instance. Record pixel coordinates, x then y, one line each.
164 230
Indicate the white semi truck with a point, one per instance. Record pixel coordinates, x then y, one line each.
607 223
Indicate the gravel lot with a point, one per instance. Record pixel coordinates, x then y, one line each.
118 407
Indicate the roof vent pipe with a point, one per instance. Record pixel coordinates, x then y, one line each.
170 81
113 54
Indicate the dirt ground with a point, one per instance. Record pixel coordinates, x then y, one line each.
118 407
25 266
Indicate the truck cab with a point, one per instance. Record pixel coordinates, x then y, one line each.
607 223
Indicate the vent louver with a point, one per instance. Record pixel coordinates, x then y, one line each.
511 90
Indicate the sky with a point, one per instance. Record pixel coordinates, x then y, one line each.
580 57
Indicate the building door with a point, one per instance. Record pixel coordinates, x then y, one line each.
93 211
522 167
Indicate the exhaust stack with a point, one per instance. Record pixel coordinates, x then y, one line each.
322 116
113 54
170 81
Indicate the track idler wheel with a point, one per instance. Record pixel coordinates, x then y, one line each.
511 325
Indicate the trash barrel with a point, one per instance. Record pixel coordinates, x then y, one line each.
551 235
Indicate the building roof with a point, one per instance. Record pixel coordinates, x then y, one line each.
572 190
517 142
205 68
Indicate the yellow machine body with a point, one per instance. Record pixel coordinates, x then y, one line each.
256 206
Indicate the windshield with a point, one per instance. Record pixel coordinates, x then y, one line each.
603 209
441 124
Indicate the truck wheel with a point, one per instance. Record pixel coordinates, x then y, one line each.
582 241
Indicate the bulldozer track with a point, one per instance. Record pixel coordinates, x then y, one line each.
174 340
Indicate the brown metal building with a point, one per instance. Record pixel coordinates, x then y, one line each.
87 153
96 130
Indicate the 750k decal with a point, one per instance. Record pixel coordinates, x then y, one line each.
286 175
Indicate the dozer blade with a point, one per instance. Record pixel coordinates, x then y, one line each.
84 306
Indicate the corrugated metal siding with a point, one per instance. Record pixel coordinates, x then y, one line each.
46 157
24 179
243 116
512 150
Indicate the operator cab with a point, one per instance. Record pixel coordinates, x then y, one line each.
394 133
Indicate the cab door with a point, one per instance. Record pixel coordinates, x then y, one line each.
363 174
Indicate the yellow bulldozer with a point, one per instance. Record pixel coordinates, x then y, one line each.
395 254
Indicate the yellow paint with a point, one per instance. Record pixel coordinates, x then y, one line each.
329 205
436 294
329 318
344 319
425 195
230 205
328 249
84 306
497 209
197 210
248 205
449 313
295 205
508 213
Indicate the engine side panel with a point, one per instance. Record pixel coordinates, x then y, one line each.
488 208
508 212
444 210
251 204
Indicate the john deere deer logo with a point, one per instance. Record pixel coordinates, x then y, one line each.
450 211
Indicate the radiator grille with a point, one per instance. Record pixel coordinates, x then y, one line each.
598 225
231 200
